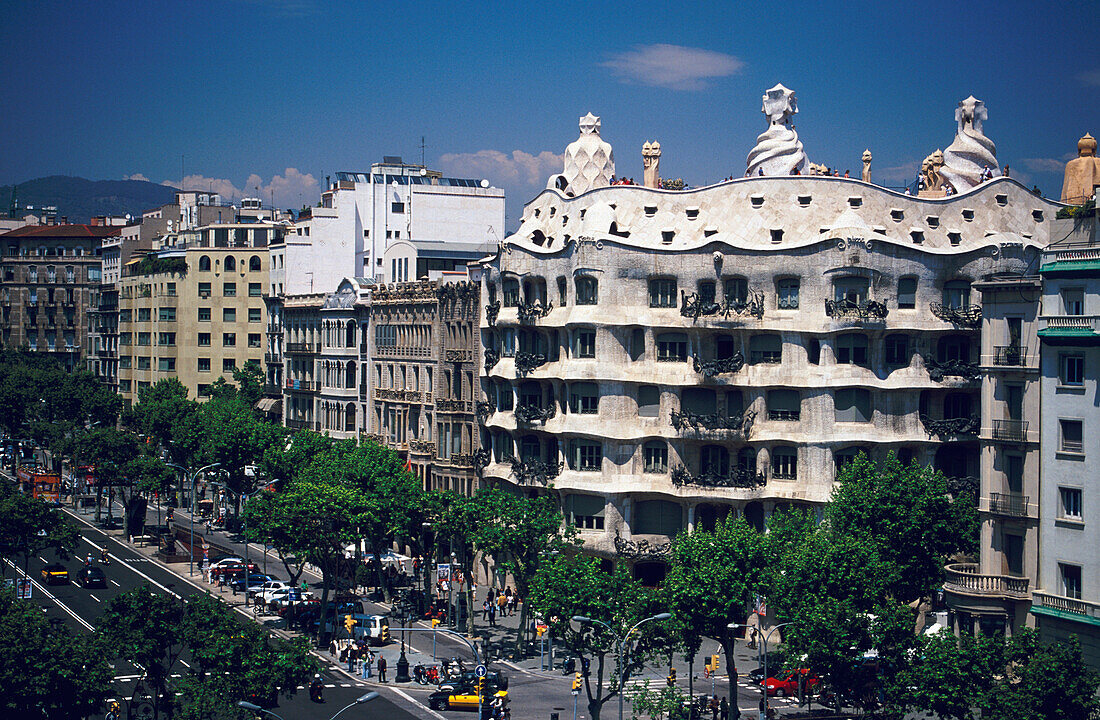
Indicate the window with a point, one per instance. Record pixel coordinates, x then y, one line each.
735 404
229 365
662 292
584 343
124 316
1071 580
701 401
124 362
254 289
896 350
254 264
144 314
851 349
167 314
736 290
714 460
170 289
851 289
788 293
1071 369
584 398
813 352
255 315
397 207
847 455
907 293
672 347
1070 503
657 517
956 405
143 363
508 342
166 365
204 365
765 349
254 342
204 263
586 290
586 512
166 339
230 264
229 314
853 405
637 344
511 292
204 340
649 401
505 396
706 292
1072 436
144 338
655 454
956 294
784 463
1073 301
229 339
585 456
784 405
204 289
1014 553
953 348
229 289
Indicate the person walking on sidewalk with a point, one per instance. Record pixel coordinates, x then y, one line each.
492 615
381 667
368 663
353 655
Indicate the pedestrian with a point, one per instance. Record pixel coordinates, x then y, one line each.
724 709
492 615
485 611
368 664
713 707
501 604
511 604
381 667
353 655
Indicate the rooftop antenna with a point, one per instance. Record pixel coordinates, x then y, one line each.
422 151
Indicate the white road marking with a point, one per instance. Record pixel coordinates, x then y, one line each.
115 583
93 597
185 663
420 707
50 595
127 564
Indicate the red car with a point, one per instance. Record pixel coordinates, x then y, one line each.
787 683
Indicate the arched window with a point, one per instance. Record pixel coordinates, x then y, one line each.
956 405
530 449
655 457
511 292
896 348
851 288
587 290
907 293
349 334
707 292
349 417
846 455
746 459
784 404
765 349
853 405
851 349
204 263
657 517
349 374
254 263
584 398
953 347
701 401
785 463
230 263
736 290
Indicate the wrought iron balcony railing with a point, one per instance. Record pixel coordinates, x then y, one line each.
784 415
484 409
1010 355
736 477
710 368
529 312
1010 430
529 413
298 348
938 370
422 447
481 459
639 549
694 306
492 310
700 422
951 426
491 359
527 361
968 317
1008 504
867 310
531 472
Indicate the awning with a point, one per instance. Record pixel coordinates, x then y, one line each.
270 405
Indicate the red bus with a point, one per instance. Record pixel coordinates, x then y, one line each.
42 485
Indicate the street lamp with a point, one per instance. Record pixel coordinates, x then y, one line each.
191 542
619 645
402 675
253 707
763 645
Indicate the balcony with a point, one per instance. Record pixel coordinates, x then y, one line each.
737 477
1010 356
303 348
1008 504
458 355
392 394
445 405
303 385
964 579
695 306
272 390
273 359
526 361
531 413
1069 326
711 368
784 415
714 424
865 311
529 312
532 471
1010 430
938 371
967 317
422 447
302 424
947 427
1045 603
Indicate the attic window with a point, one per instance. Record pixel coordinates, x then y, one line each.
879 230
564 220
650 210
968 215
777 236
918 237
692 213
552 211
955 238
710 230
855 201
804 200
583 211
667 235
1002 200
1038 215
757 201
933 221
897 215
538 212
538 238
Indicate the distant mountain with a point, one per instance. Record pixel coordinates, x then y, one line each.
79 199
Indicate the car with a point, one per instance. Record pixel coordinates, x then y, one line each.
786 685
268 586
494 679
240 582
775 662
279 598
226 561
55 574
464 696
91 576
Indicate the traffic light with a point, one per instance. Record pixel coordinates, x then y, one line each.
714 664
384 634
576 682
540 630
671 676
481 686
350 623
707 670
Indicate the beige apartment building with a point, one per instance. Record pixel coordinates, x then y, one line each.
195 311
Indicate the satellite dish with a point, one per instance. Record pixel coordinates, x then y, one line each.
484 183
423 172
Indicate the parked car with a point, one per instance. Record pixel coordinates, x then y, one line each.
493 679
786 685
775 664
226 561
464 696
55 574
92 576
242 582
276 599
267 587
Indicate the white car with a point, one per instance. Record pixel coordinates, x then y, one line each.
264 588
279 598
226 561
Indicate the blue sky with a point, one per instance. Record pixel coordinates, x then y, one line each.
279 93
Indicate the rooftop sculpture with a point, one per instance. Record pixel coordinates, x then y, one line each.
778 150
1082 172
972 152
589 161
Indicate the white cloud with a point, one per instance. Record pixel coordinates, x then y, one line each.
291 189
519 168
136 176
672 66
1090 77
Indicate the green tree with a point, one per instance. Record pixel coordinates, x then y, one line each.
711 581
30 526
1040 681
518 531
567 584
46 670
946 676
656 703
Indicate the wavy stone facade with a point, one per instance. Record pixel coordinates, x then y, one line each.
663 358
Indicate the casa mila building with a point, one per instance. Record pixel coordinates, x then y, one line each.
664 358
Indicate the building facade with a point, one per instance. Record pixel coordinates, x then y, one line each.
1066 600
48 276
667 358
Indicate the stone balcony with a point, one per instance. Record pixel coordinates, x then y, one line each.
1046 603
964 579
1069 326
1010 504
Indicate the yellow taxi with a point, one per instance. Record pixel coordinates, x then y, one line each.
55 573
464 696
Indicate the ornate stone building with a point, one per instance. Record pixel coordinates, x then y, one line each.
661 359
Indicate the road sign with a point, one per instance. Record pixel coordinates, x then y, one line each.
481 671
443 571
24 592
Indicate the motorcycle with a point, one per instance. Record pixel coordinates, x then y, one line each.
420 675
105 557
315 690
